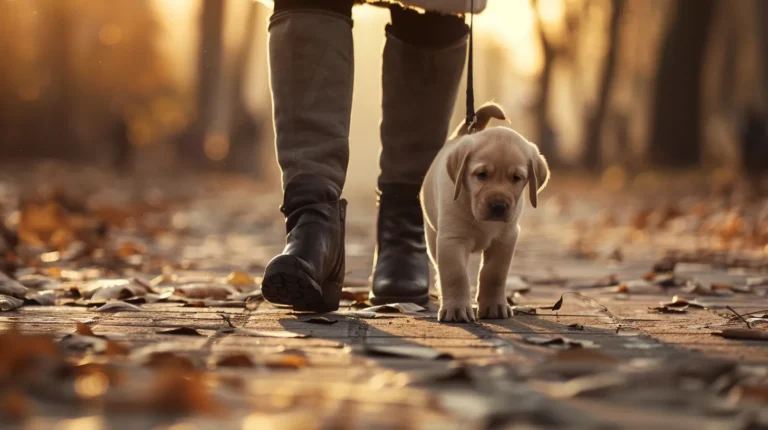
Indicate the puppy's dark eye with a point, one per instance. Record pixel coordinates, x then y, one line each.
482 175
516 178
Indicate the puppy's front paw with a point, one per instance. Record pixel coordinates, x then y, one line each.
458 314
494 310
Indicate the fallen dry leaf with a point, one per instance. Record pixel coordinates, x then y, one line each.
180 392
205 291
761 281
12 287
183 331
576 326
83 329
669 310
260 333
8 303
638 286
698 288
743 333
354 294
240 279
559 342
118 307
320 320
679 302
402 351
362 314
404 308
523 310
286 361
46 298
235 360
170 360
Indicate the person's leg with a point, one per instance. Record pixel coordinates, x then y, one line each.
311 76
423 61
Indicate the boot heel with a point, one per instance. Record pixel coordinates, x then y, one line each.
286 283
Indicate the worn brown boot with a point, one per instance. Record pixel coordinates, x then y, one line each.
420 85
311 64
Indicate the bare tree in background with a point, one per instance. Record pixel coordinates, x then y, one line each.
191 146
592 137
545 135
58 119
676 135
244 129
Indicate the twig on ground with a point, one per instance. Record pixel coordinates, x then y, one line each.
227 319
739 316
559 303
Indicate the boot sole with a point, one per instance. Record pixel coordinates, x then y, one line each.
286 284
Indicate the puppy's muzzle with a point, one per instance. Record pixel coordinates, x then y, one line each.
498 210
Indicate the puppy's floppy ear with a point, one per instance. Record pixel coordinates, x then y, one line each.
538 175
457 164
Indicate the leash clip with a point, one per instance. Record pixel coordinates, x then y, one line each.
471 125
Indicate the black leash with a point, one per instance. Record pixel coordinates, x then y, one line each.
471 117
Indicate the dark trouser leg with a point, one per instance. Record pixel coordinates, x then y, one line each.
423 61
311 76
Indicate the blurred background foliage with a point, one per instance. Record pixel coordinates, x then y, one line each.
616 87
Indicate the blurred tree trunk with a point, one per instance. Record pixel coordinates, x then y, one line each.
676 121
191 147
592 139
754 125
56 136
244 129
545 135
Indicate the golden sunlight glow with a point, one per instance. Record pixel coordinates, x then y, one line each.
110 34
513 23
216 146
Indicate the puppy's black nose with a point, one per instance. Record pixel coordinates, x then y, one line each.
498 209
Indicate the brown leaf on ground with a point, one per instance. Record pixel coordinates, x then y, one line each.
753 392
743 334
46 298
182 331
355 295
286 361
638 286
240 279
181 393
523 310
118 307
668 310
559 342
679 302
698 288
12 287
14 407
576 326
261 333
21 352
235 360
170 360
404 308
320 320
83 329
205 291
8 303
404 351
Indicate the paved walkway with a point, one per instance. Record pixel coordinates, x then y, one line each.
605 359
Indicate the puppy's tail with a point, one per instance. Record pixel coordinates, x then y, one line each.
484 115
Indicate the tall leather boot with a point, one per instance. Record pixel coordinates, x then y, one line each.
420 85
311 75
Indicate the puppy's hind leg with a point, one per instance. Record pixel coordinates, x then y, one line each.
455 301
491 290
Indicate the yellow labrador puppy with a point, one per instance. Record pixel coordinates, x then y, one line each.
472 199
